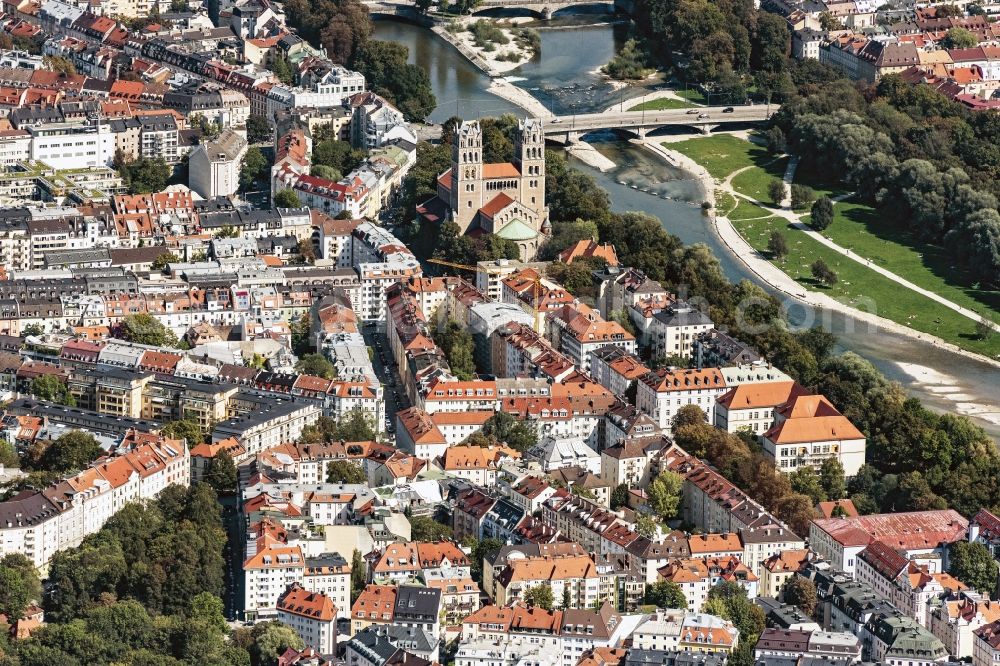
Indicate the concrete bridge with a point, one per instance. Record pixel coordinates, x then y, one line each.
544 8
541 8
567 129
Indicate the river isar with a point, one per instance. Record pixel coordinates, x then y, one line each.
565 78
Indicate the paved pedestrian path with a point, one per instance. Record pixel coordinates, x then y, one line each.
795 220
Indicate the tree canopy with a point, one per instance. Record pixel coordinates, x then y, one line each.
71 452
502 428
53 389
145 329
356 426
145 175
540 596
800 591
316 364
19 585
665 495
729 601
258 129
456 342
163 260
666 594
344 471
425 528
287 198
972 564
253 167
162 554
221 473
185 429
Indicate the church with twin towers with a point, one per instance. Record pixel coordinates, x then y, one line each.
505 198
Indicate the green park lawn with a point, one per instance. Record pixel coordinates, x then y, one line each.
662 104
724 202
858 286
747 211
860 228
721 154
694 95
754 181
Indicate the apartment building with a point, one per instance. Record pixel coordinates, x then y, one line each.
214 166
73 145
753 407
39 524
574 577
914 533
697 576
311 615
808 430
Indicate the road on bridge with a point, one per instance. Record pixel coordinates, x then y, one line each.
702 115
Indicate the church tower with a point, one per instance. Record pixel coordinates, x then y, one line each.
529 153
467 174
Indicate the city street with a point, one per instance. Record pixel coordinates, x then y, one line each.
387 373
235 538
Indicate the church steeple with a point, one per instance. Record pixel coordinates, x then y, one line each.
529 153
467 173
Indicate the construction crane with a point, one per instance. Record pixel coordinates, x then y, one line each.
537 288
464 267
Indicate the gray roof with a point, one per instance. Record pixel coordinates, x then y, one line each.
26 509
226 147
85 419
373 644
417 604
77 256
682 316
672 658
271 408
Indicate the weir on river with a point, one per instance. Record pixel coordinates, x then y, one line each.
566 79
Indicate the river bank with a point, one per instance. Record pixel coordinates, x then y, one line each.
644 181
775 277
590 156
722 227
496 62
520 97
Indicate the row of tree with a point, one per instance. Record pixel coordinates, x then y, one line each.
163 554
124 632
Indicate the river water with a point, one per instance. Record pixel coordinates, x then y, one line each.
565 78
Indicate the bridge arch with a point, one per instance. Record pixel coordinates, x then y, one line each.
509 11
543 9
